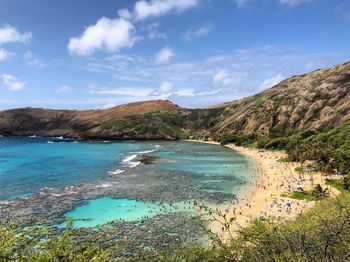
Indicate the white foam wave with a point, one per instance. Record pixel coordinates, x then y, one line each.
116 172
147 151
129 158
104 185
133 164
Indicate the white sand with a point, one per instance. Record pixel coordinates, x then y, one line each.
265 200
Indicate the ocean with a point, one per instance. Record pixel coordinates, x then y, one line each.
182 172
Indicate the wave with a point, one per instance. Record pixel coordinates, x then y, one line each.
104 185
116 172
130 158
131 161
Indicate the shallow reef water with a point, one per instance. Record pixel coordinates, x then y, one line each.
98 184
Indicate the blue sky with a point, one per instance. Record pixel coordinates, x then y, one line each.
96 54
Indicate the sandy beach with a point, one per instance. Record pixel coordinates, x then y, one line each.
267 197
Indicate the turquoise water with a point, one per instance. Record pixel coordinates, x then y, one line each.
214 164
184 172
28 164
101 210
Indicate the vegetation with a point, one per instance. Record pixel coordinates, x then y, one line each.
150 125
303 196
321 234
329 152
239 139
299 169
341 184
31 245
346 182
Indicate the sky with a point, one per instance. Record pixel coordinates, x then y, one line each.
94 54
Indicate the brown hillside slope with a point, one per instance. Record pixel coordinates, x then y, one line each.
71 123
319 100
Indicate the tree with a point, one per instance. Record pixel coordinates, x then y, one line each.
346 182
319 193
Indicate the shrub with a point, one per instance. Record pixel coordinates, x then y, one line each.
277 143
346 182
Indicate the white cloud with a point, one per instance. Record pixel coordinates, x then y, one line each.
271 81
202 31
164 56
155 8
214 79
4 55
293 2
123 91
31 60
223 78
64 89
107 34
189 92
112 35
166 87
152 31
165 90
9 34
12 83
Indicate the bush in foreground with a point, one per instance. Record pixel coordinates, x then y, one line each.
322 234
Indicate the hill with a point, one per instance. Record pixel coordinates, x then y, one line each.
121 122
317 101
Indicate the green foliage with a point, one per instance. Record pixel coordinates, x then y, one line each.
284 160
149 125
17 244
338 184
238 139
276 132
346 182
303 196
322 234
330 151
319 193
277 143
298 169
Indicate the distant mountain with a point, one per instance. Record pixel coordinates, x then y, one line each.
316 101
140 120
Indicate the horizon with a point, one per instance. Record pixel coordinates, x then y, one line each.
135 51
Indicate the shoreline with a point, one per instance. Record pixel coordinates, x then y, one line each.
267 199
